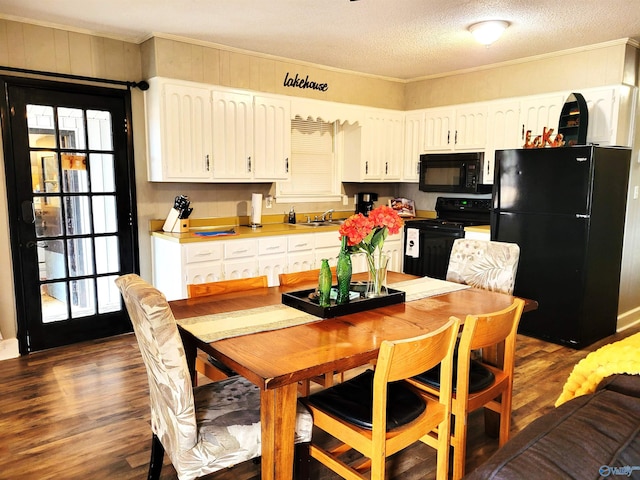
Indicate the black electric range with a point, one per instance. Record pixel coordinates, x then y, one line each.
428 242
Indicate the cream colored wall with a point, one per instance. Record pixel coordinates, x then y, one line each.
582 68
207 64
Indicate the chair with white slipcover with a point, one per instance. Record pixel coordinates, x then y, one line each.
484 264
202 429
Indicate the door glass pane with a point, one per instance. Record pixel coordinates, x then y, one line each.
102 172
74 173
82 298
48 216
107 256
51 259
45 175
71 127
41 126
104 214
77 215
109 299
99 129
54 302
80 257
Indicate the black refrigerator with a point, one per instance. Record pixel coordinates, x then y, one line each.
565 208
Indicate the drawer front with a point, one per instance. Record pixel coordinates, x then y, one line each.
301 243
271 245
240 249
327 240
203 252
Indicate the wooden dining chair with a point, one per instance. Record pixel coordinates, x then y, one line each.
378 415
202 429
309 277
484 264
207 365
480 382
226 286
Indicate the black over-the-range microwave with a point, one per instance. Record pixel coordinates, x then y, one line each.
452 172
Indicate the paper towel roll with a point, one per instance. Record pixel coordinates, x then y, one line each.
256 209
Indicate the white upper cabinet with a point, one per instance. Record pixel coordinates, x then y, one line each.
413 145
463 128
373 152
503 133
232 136
272 137
179 131
609 119
540 111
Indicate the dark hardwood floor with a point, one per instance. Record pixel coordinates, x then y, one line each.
81 412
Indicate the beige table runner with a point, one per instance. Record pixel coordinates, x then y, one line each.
210 328
426 287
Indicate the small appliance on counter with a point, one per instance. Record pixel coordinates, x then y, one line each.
178 219
364 202
256 210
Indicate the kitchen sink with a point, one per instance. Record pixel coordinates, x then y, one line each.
326 223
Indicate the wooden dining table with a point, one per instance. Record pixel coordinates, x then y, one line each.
277 360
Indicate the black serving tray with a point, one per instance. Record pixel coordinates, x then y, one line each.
302 300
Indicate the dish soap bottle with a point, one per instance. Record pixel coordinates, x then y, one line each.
292 216
324 284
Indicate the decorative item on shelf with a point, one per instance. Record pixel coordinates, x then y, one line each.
541 141
367 235
324 284
574 119
343 273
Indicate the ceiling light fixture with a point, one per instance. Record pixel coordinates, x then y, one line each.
488 32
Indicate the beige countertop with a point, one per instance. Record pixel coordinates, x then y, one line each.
272 225
478 228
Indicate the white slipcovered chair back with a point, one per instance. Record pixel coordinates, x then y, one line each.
484 264
173 417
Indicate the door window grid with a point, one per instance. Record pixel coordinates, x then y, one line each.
85 216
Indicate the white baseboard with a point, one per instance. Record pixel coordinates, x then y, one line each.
628 319
9 348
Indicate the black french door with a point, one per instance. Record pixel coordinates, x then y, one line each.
71 199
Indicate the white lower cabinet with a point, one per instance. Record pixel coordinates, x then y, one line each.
272 258
300 253
175 265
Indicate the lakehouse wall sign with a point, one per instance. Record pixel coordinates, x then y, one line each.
299 82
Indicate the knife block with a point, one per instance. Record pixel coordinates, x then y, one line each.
175 224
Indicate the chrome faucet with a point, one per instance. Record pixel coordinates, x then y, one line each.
328 212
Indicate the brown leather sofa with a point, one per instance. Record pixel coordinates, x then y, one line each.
590 436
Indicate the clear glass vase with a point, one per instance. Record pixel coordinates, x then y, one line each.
377 266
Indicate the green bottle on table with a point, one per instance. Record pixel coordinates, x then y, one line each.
324 284
343 272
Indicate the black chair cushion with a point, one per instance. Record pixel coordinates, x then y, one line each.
352 401
480 377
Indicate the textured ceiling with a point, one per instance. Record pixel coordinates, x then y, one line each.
401 39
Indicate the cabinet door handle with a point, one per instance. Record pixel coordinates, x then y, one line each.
523 131
207 160
249 164
448 136
455 141
366 167
235 252
286 165
386 168
203 254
